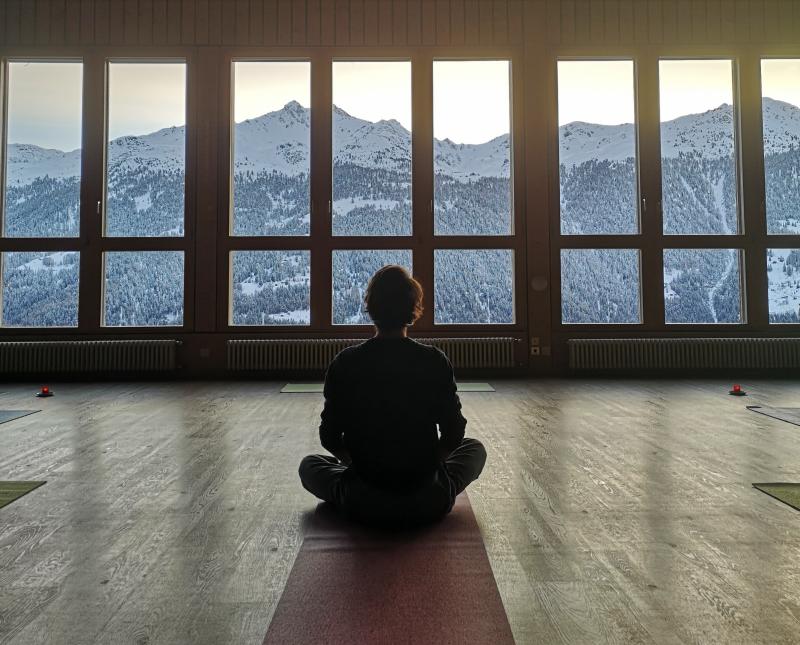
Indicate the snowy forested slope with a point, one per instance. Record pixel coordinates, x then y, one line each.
372 196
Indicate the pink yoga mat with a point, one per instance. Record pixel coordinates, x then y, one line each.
354 586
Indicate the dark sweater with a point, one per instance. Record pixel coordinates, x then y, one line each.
383 401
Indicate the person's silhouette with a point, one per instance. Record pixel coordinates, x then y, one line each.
384 400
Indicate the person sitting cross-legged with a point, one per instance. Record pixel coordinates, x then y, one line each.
384 400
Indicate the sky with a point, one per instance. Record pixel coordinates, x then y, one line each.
44 104
603 91
145 97
261 87
471 98
374 90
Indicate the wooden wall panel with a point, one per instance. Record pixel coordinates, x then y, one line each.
313 22
385 34
57 19
159 22
472 16
442 22
269 16
299 23
401 23
72 22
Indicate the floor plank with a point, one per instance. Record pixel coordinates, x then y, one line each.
612 511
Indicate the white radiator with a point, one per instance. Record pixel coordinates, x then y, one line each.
32 357
317 353
684 353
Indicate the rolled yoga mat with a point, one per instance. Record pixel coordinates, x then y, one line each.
350 584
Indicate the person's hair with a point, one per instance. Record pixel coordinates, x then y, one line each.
393 298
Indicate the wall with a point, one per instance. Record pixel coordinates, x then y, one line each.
535 29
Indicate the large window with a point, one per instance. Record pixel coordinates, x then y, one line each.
143 288
371 148
351 273
780 91
271 192
702 286
271 148
472 148
474 286
597 147
783 274
599 191
146 152
780 86
600 286
41 190
473 192
699 185
40 289
698 147
145 189
295 270
656 224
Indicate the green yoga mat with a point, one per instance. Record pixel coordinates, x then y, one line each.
790 415
787 493
10 415
11 491
308 388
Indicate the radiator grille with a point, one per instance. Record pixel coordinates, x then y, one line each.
684 353
88 356
316 354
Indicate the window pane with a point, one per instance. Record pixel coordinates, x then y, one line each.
471 147
271 287
600 286
473 286
698 159
271 143
146 149
351 273
43 155
780 86
702 286
597 148
783 270
40 289
143 288
372 148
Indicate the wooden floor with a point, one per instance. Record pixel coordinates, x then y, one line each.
612 511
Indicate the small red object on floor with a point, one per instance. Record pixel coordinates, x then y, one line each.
737 391
44 392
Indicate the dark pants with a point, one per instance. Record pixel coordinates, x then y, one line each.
333 482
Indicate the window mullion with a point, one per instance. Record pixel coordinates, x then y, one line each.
422 180
90 298
649 171
752 191
321 175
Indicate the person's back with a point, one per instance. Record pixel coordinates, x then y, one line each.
392 419
387 396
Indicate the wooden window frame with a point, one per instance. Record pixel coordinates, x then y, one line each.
422 242
751 241
91 241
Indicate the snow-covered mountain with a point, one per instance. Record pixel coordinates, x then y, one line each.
279 141
709 133
275 142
